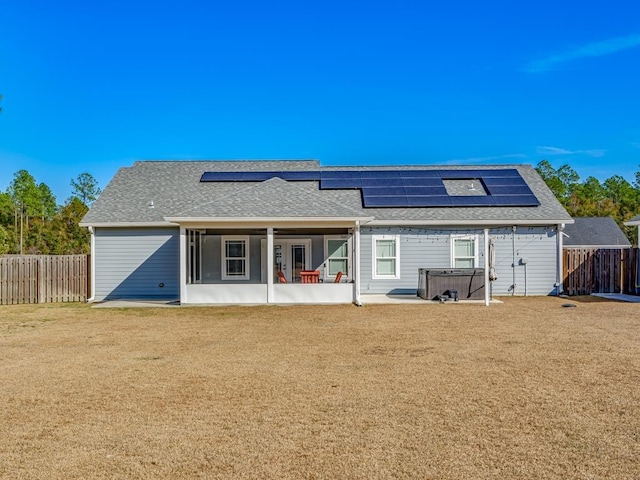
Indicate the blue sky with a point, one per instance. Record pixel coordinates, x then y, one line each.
93 86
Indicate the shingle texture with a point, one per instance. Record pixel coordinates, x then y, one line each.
175 190
596 232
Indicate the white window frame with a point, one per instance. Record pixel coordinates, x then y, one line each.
475 238
224 258
346 238
374 266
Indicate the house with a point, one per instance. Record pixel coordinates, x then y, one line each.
595 232
233 232
635 221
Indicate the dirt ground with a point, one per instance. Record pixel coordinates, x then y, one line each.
525 389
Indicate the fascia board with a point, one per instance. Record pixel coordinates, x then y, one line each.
399 223
127 224
267 221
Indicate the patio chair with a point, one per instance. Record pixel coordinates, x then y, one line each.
282 278
338 277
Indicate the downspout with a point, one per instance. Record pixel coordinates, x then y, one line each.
356 267
92 249
513 251
559 280
486 267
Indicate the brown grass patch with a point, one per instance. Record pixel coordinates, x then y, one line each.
527 389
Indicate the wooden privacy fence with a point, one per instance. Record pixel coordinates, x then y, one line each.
43 278
600 270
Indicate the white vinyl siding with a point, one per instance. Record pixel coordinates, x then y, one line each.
137 263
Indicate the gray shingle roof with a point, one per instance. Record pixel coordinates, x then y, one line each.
174 188
595 231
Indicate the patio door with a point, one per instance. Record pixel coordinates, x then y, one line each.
289 257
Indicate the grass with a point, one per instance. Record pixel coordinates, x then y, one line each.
526 389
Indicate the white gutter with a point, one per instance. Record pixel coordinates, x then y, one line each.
127 224
493 223
266 220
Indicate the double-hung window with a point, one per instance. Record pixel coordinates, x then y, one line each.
338 258
386 256
464 251
235 257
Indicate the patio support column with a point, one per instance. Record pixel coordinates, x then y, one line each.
356 267
183 264
270 265
486 267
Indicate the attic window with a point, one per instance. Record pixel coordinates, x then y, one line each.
471 187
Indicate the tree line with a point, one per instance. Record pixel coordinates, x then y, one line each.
615 197
32 222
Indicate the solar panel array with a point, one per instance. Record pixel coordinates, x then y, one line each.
406 188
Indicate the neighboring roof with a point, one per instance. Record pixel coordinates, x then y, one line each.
634 221
595 232
150 192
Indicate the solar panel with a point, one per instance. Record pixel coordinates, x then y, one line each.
379 174
381 182
339 183
386 201
221 177
516 201
471 201
460 174
300 176
510 190
503 181
428 201
425 191
422 182
340 174
405 188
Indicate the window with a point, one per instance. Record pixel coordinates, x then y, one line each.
337 254
194 256
464 251
386 256
235 258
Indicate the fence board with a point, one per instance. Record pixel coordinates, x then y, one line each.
43 278
600 270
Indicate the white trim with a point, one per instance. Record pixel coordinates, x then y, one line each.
270 220
128 224
269 255
356 266
486 267
348 273
374 258
223 257
462 223
457 236
183 265
559 260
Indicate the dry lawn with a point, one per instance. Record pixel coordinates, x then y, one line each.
526 389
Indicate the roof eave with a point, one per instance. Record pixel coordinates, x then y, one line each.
127 224
499 222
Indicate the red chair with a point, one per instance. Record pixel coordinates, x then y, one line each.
281 276
338 277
